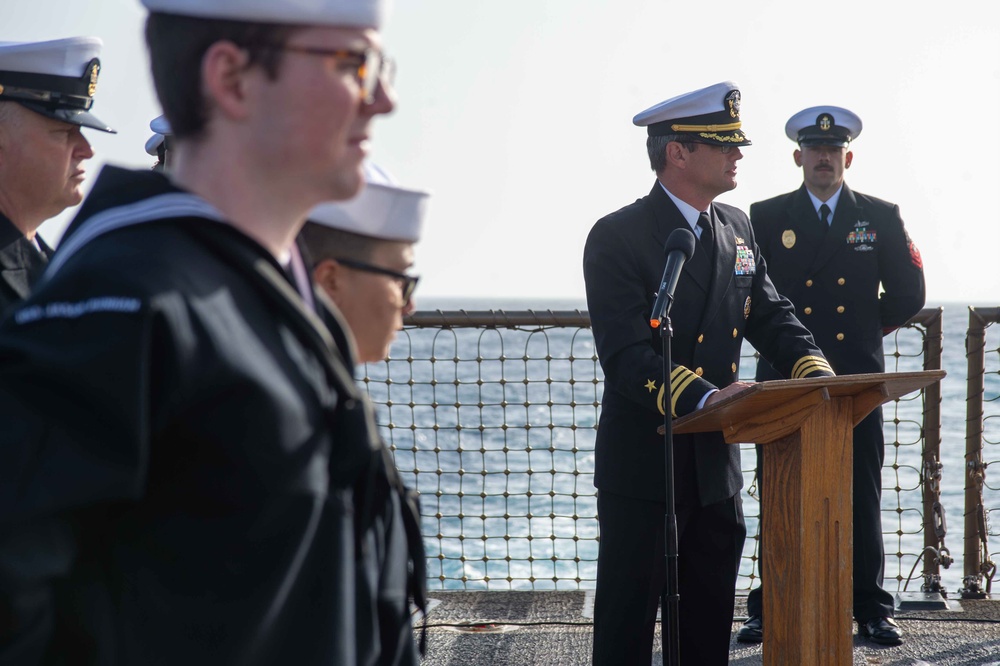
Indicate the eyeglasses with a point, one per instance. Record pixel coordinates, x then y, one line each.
407 282
723 148
372 67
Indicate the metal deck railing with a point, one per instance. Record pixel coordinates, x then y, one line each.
492 417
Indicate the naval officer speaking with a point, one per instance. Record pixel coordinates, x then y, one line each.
723 296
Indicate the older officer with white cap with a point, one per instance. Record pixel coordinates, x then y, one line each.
846 262
188 472
361 252
723 296
46 92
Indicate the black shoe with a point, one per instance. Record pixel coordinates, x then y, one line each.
752 630
881 630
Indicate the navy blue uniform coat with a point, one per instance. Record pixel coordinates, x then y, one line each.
716 306
21 263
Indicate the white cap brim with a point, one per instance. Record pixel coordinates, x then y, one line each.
349 13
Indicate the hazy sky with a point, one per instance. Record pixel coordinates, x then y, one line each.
516 115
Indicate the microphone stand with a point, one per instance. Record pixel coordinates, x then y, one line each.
670 599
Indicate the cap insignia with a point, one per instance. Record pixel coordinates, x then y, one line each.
825 122
733 103
731 138
93 69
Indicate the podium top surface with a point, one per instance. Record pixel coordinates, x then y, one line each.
764 397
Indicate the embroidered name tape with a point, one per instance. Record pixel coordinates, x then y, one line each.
63 310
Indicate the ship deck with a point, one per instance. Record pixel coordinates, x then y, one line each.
554 628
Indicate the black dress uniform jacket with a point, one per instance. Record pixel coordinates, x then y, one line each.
833 275
21 263
717 304
188 473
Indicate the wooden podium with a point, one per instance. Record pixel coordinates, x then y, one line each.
807 426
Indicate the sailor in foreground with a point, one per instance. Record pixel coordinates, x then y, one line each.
845 261
46 92
361 251
186 463
723 296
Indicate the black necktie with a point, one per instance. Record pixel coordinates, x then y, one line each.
824 215
707 234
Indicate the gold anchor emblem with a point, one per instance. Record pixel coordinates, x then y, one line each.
825 122
733 102
93 69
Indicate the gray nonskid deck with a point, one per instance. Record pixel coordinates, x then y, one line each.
555 629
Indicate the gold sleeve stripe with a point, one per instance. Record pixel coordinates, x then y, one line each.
659 399
797 368
680 379
808 364
806 369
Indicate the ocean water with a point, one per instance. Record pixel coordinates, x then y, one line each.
496 431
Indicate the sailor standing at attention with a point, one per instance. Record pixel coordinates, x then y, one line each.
186 463
46 92
723 296
361 253
845 261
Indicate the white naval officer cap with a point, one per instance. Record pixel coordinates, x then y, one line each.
710 115
351 13
381 210
823 125
161 129
57 78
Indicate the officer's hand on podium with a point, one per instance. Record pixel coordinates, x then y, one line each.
716 395
728 392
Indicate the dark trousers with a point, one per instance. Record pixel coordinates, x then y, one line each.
631 577
870 600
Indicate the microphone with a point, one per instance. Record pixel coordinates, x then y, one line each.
678 248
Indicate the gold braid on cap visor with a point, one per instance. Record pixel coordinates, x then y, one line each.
707 128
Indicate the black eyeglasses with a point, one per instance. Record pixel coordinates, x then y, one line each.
408 282
723 148
372 66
